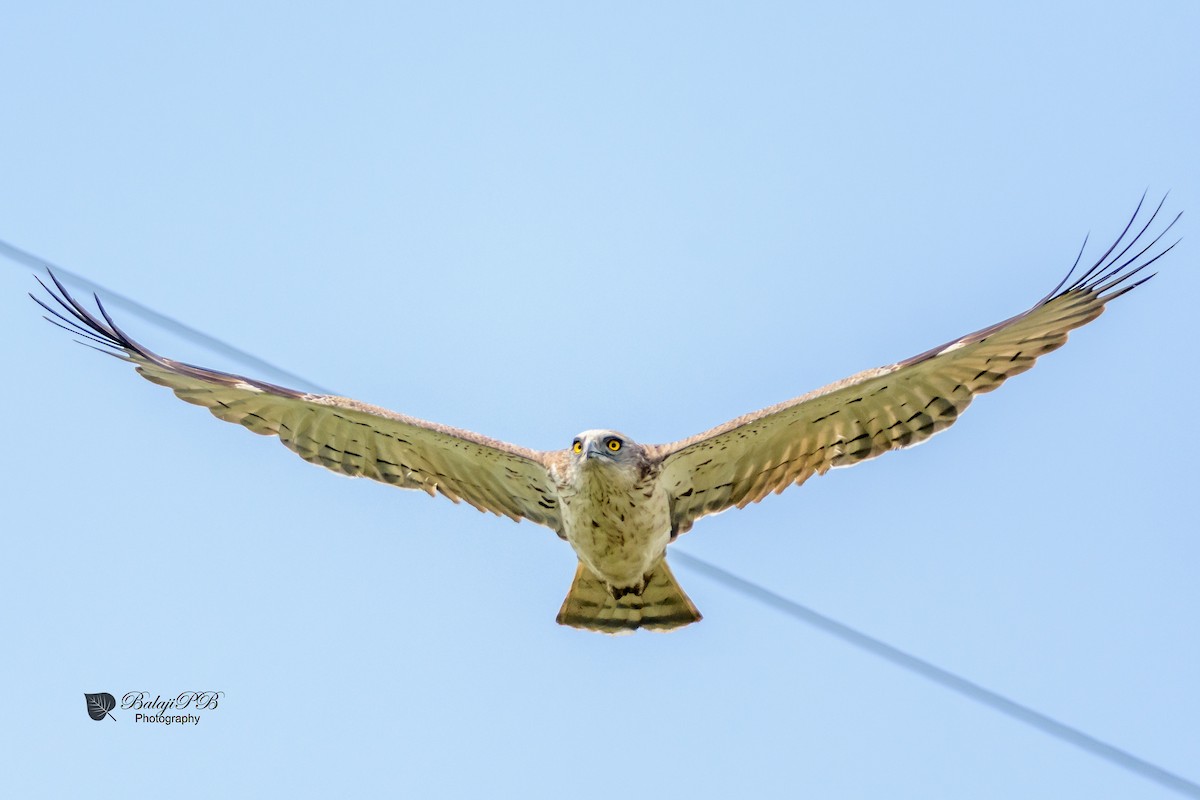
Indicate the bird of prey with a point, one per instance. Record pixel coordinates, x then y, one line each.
620 503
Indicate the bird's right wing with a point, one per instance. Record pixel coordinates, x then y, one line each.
341 434
865 415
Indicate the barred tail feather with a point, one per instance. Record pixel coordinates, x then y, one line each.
662 605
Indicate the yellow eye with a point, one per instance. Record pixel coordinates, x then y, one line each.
578 446
614 444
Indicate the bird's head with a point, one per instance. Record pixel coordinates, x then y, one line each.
600 447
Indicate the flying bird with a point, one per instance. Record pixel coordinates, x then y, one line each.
618 503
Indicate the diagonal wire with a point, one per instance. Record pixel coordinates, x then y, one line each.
941 677
116 300
880 649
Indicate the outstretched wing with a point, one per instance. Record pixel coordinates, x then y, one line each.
341 434
888 408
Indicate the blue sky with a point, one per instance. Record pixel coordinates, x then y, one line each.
529 220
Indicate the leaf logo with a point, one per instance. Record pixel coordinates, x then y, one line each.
99 704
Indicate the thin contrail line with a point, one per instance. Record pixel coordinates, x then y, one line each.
892 655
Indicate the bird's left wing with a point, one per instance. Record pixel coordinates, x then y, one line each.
340 434
891 407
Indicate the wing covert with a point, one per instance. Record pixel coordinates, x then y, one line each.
891 407
341 434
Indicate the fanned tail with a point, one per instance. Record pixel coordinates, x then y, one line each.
662 605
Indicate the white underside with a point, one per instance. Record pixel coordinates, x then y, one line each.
630 533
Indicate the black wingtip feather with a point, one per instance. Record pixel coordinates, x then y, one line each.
100 350
83 322
1084 277
1071 271
71 325
122 335
1109 276
77 331
1111 272
106 332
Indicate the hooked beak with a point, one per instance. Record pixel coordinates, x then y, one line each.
594 450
